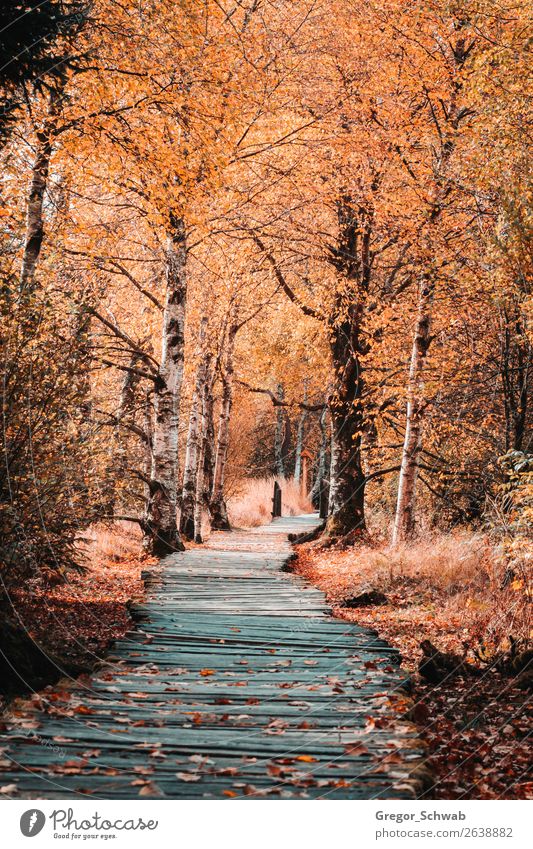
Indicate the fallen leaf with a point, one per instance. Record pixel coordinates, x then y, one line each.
188 776
356 749
150 789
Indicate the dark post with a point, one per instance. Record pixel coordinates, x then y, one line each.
276 501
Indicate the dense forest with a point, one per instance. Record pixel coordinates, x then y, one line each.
238 231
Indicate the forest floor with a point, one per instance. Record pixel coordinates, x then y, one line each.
77 621
477 729
237 676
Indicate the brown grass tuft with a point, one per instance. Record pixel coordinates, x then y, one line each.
450 588
252 505
110 542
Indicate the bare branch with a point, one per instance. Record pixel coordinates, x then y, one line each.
139 372
115 421
307 310
124 271
120 334
280 402
382 472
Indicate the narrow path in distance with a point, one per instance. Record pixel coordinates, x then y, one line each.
236 684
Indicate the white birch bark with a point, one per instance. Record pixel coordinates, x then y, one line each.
322 453
200 493
279 434
191 465
209 452
404 521
148 428
161 525
300 439
33 237
219 513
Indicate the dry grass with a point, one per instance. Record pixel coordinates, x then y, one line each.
449 563
449 588
252 505
78 619
104 543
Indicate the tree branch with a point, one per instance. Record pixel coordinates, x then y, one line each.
131 278
307 310
382 472
115 421
150 361
139 372
280 402
122 519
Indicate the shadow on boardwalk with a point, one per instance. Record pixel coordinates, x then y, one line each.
237 683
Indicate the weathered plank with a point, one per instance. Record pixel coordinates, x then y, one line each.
237 683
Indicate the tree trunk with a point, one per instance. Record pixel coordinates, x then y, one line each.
148 421
404 521
321 466
219 513
200 491
351 257
515 368
346 509
198 499
192 466
34 235
300 439
162 536
209 450
279 436
116 464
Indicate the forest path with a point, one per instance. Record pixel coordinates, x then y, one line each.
237 683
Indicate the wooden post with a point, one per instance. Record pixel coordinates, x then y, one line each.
306 456
276 501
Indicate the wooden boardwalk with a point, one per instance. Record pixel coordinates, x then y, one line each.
236 684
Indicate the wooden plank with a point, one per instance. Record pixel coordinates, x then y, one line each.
236 678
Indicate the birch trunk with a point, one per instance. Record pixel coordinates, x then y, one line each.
346 508
300 440
148 446
219 513
161 531
279 436
191 466
33 238
351 256
116 454
321 466
209 452
404 521
198 500
200 491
